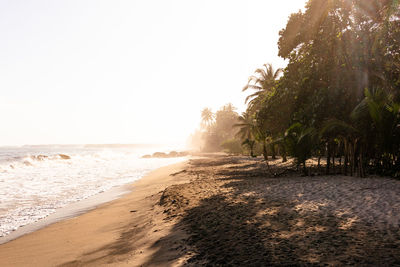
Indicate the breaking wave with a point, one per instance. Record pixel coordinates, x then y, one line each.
35 181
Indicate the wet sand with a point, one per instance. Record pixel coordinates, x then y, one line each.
70 211
227 211
110 233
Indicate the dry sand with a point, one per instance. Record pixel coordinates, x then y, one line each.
227 211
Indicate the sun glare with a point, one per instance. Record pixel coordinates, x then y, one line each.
127 71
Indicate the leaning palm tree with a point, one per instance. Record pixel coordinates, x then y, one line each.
262 82
207 117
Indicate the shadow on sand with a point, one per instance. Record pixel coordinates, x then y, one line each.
242 227
232 219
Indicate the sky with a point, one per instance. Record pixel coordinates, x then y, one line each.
92 72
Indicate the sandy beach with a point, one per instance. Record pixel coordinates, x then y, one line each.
227 211
108 234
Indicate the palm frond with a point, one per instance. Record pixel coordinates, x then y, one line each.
252 86
254 95
335 125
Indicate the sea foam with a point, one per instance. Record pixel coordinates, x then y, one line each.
35 181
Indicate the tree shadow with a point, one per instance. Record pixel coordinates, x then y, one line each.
245 226
230 217
111 252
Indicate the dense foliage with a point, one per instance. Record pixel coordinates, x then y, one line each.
218 132
339 96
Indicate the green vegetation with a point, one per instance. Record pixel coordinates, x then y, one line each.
338 97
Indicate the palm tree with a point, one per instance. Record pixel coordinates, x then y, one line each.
378 117
247 130
300 141
369 134
207 117
262 83
351 137
229 108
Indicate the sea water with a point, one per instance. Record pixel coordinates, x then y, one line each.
35 181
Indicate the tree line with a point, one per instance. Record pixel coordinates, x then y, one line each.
217 131
339 96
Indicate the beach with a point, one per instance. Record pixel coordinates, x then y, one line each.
98 236
139 133
226 210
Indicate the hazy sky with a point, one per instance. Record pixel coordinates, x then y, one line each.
128 71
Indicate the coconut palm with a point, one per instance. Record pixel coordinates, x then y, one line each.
370 134
207 117
300 141
262 82
351 136
378 117
247 130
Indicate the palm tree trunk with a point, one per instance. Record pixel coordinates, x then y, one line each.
396 160
272 147
353 158
252 149
362 164
346 156
340 152
328 158
319 163
333 159
284 159
265 152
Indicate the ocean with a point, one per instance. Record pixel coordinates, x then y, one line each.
35 181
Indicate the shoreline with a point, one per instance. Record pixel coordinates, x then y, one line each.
77 208
58 234
72 210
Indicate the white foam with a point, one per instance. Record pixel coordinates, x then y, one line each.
32 189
